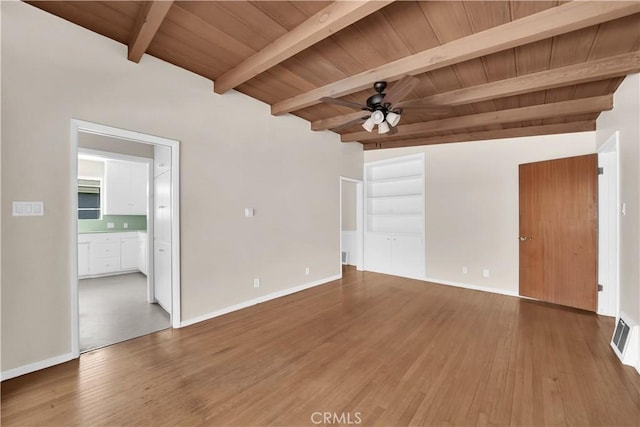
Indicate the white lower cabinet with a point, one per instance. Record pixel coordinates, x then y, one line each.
142 254
378 252
101 254
129 253
394 253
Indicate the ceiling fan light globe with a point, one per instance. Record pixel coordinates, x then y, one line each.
377 116
383 127
393 119
368 125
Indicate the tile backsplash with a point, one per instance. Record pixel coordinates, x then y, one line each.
134 222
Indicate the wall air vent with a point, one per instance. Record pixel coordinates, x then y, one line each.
345 257
625 340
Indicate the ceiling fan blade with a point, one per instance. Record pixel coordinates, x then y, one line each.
350 123
343 103
401 89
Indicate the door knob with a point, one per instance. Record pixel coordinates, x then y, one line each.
524 238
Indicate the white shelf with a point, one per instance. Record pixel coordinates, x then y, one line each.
396 178
396 196
394 220
395 214
402 233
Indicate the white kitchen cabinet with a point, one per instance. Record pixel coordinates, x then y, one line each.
162 217
162 207
161 159
129 247
162 274
394 216
125 188
142 253
105 257
103 254
83 259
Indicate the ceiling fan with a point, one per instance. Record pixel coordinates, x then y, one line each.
384 109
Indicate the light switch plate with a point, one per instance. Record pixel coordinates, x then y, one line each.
28 208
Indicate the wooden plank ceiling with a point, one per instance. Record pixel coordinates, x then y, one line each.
497 68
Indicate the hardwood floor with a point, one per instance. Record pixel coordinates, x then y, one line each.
372 348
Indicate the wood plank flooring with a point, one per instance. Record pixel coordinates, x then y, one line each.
372 348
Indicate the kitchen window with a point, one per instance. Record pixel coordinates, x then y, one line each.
89 198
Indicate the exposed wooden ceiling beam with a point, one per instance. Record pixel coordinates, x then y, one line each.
535 112
333 18
605 68
582 126
149 19
548 23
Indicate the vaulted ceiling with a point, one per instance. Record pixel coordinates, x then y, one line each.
486 69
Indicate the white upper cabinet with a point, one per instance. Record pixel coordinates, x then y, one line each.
125 188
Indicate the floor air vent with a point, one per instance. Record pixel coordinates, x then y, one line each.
620 335
625 341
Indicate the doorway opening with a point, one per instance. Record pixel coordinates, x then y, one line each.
608 226
351 223
116 291
125 235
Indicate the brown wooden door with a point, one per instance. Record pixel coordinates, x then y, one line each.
558 226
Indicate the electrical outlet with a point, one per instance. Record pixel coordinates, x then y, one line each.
465 270
307 271
110 225
485 273
256 282
125 225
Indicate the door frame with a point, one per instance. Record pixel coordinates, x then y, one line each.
359 221
608 219
77 126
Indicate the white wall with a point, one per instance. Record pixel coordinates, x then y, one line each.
90 169
348 206
625 117
234 154
471 199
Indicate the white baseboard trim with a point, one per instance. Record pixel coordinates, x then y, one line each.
259 300
473 287
36 366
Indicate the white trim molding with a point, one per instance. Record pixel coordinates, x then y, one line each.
36 366
134 136
359 261
259 300
473 287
